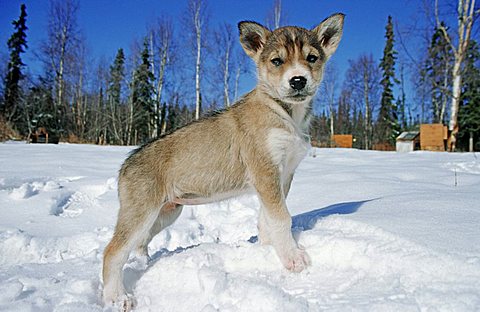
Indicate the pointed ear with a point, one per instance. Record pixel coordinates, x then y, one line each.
329 33
252 37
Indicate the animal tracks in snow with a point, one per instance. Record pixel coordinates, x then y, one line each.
62 202
24 191
31 188
68 196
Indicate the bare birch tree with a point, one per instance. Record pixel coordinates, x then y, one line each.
79 77
196 19
242 66
59 47
161 34
330 85
275 19
465 15
363 79
225 38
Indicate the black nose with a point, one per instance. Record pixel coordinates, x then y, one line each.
298 82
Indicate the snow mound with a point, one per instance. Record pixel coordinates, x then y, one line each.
353 263
219 277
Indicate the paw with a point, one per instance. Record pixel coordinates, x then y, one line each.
296 260
122 303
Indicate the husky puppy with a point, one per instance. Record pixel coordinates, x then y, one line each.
253 146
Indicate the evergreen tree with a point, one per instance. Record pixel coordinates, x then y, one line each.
320 130
163 114
186 116
117 75
401 101
469 112
173 117
39 108
16 45
387 124
142 96
114 93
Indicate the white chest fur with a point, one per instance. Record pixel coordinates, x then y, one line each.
287 149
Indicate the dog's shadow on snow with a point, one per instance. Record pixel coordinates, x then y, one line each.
307 220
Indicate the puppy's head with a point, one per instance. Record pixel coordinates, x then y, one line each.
290 60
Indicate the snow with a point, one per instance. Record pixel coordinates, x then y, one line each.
385 232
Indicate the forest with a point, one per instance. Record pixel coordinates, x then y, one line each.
155 89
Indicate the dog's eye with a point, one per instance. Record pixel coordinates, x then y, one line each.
312 58
277 61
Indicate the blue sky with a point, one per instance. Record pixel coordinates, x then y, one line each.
109 25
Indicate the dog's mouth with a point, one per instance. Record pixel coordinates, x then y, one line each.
298 96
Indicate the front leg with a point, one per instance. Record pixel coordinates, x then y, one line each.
275 222
263 237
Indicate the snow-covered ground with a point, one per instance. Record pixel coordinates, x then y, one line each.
385 232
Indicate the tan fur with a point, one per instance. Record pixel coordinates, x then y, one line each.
255 145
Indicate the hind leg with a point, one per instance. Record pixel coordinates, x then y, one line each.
132 228
168 214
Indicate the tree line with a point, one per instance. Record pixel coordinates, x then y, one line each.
445 74
169 80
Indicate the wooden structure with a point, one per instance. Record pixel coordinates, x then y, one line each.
41 135
408 141
433 137
342 140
